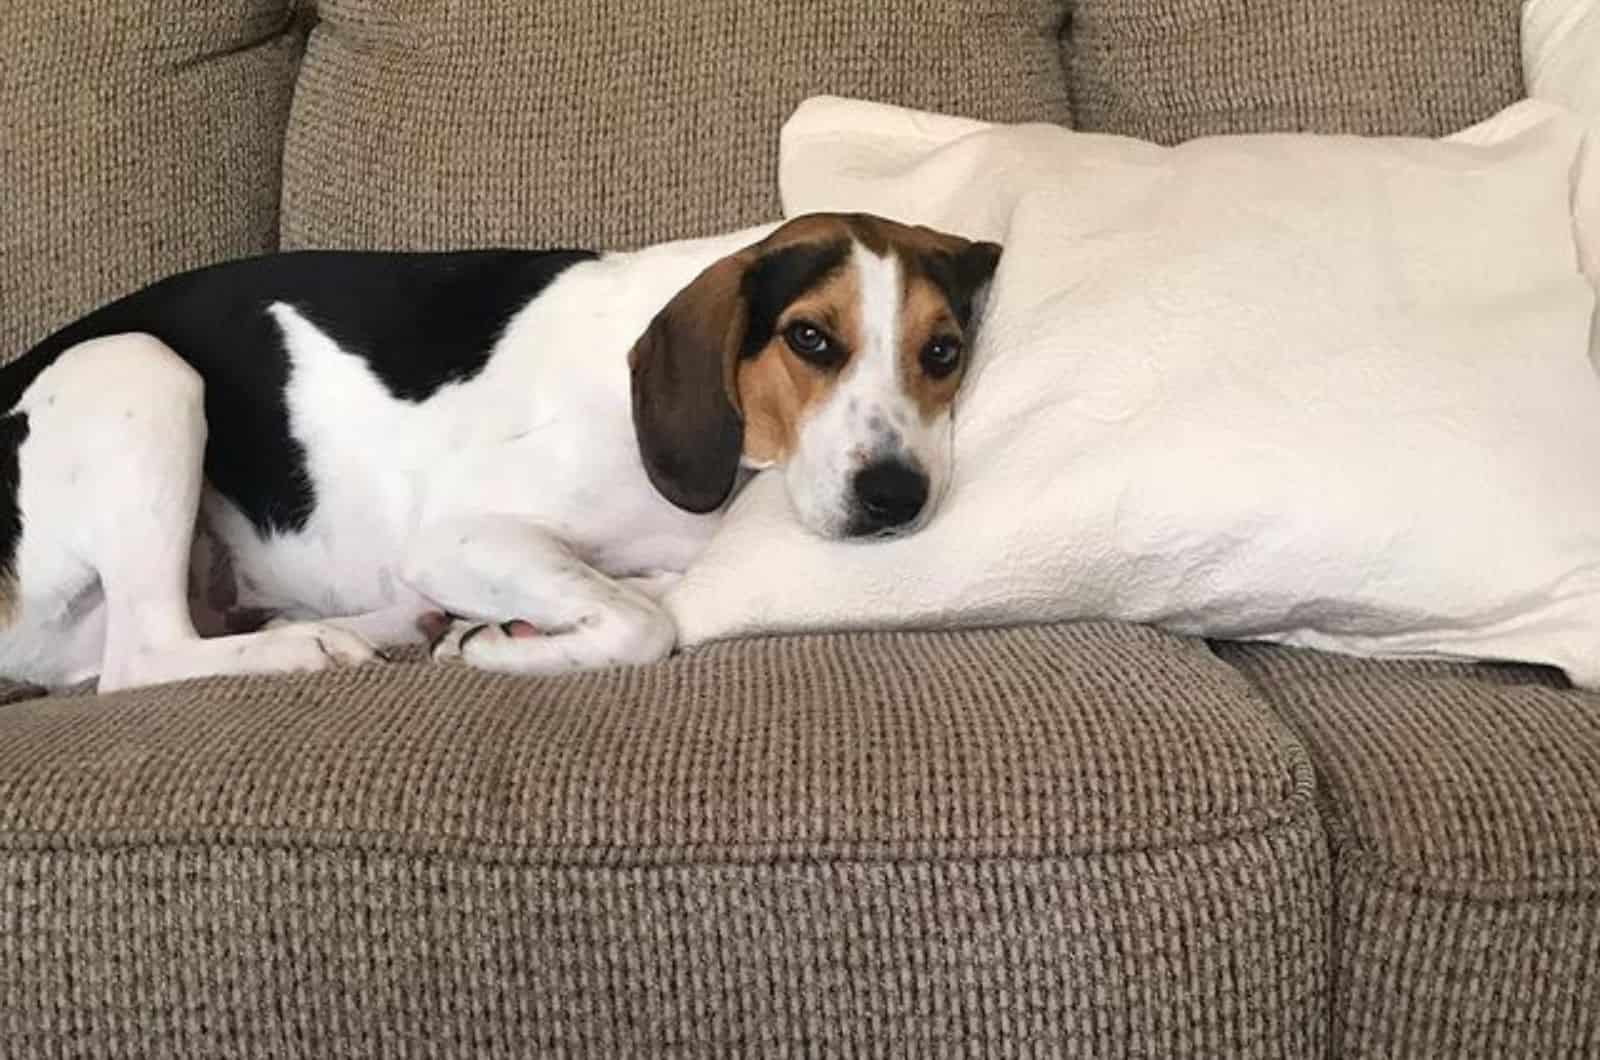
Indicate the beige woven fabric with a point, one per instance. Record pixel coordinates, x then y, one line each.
137 138
1465 809
1170 70
907 845
567 122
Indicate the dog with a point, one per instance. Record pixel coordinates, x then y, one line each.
301 460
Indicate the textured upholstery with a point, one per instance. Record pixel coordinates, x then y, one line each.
1083 834
1170 70
568 122
1464 805
137 138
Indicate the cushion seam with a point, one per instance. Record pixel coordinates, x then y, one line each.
1357 855
1370 865
1292 813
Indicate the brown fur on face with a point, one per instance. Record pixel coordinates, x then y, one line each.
715 380
925 315
778 388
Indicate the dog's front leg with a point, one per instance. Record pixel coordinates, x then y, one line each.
492 573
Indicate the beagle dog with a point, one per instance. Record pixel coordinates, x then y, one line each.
292 462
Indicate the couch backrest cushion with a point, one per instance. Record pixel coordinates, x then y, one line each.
137 138
421 124
1171 70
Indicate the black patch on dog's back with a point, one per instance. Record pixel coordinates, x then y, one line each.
773 283
452 309
420 320
13 432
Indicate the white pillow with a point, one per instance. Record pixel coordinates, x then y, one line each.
1561 53
1326 391
1561 64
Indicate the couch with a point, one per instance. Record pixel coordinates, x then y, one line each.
1080 840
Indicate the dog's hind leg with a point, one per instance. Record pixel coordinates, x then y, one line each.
111 475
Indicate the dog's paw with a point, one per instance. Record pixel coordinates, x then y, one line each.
448 638
312 646
633 636
298 647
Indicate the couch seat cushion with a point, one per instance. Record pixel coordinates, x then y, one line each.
421 125
1464 803
137 138
1087 833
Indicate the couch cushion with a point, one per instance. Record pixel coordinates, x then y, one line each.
1171 70
139 138
1464 803
428 125
1082 834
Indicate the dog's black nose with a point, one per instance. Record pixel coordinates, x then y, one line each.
889 493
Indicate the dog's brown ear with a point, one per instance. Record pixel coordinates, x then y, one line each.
686 413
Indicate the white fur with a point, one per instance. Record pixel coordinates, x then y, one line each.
109 513
519 493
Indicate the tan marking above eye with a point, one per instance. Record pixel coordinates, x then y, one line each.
835 307
827 320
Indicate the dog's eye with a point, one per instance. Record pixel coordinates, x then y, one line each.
941 356
810 342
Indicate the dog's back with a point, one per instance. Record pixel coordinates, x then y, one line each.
110 410
420 320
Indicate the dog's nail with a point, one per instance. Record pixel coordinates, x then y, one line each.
519 629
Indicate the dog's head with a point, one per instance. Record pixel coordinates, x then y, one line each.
833 349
